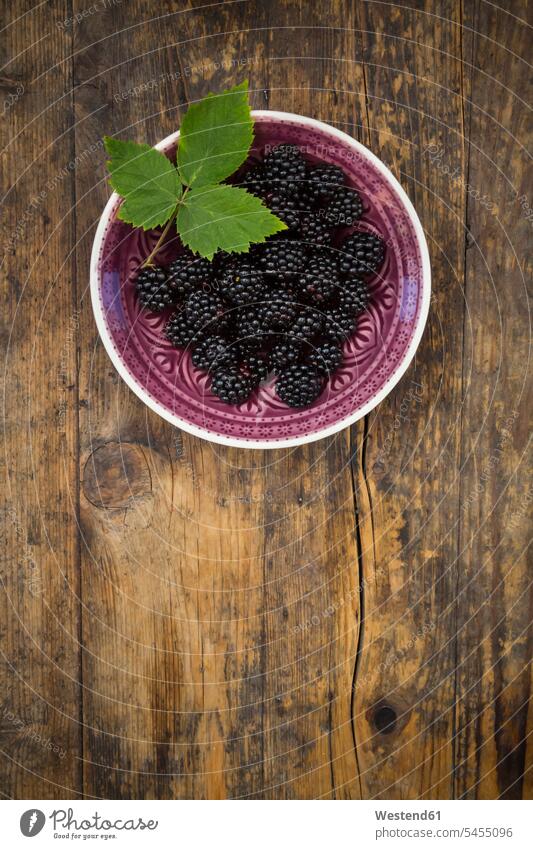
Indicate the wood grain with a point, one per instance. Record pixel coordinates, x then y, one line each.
40 713
344 620
495 645
408 470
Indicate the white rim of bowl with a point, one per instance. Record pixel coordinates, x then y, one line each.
162 411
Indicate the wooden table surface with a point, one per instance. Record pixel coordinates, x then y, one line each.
343 620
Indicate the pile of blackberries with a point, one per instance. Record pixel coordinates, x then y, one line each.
287 306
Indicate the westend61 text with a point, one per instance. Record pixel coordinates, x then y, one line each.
407 815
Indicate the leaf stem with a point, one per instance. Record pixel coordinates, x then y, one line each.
148 261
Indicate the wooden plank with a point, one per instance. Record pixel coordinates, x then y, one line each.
200 677
40 733
494 647
407 470
311 556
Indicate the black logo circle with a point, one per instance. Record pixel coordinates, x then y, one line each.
32 822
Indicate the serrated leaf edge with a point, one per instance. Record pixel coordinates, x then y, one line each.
241 88
245 246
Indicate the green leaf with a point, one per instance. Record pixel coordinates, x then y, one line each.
146 179
224 218
215 137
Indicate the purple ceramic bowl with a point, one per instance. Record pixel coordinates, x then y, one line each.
375 358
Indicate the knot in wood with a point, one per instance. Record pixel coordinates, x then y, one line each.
116 475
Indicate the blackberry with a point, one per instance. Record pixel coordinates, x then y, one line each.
255 366
307 324
285 168
322 181
314 228
345 207
220 262
213 353
231 385
326 357
188 272
241 283
299 385
362 253
282 259
279 311
288 209
154 289
179 330
338 325
250 327
353 296
285 353
321 277
254 180
206 308
330 254
248 348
